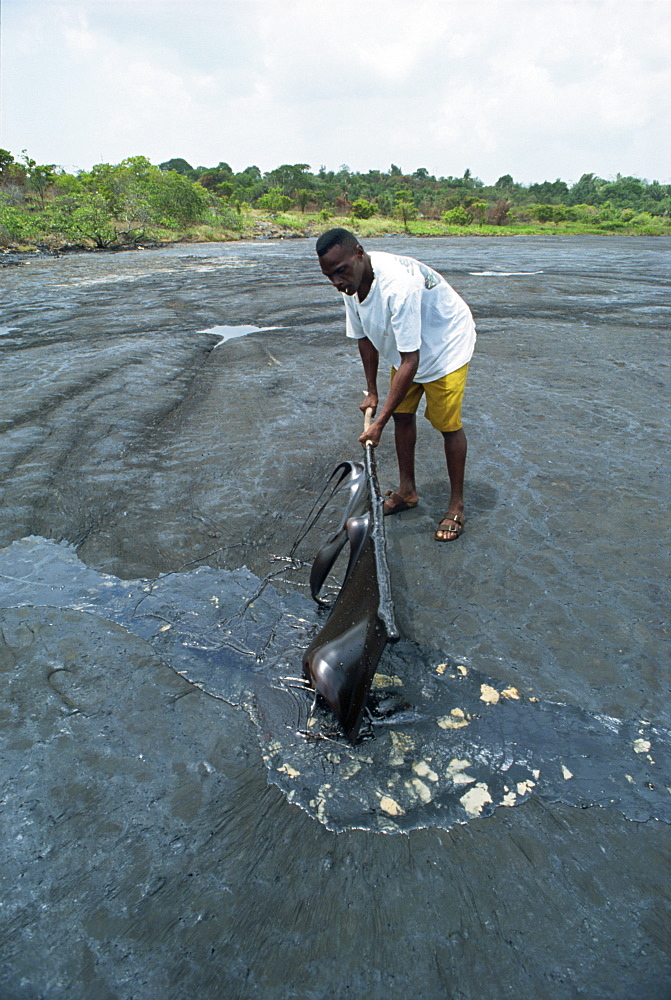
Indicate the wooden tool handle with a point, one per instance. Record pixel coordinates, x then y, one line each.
368 418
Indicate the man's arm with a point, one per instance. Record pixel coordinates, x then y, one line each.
370 360
402 381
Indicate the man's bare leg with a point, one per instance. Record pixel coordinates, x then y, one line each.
455 454
405 437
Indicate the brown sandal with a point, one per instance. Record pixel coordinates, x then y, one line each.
395 503
452 524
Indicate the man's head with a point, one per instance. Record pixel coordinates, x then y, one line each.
344 262
336 237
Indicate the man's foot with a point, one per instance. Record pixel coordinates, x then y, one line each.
450 527
395 503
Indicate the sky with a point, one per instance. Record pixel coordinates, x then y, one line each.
539 89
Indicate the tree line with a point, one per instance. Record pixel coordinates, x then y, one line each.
431 196
123 203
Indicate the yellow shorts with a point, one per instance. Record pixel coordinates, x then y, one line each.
443 399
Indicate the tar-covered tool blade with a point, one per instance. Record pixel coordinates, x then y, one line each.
342 658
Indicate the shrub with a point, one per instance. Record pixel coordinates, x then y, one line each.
302 198
362 209
458 216
274 201
16 224
228 215
584 213
404 207
175 198
543 213
85 216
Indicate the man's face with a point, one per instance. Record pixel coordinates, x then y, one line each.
343 268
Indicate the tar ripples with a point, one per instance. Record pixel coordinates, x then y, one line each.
443 744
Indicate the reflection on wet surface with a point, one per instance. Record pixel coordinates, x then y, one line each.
445 743
225 333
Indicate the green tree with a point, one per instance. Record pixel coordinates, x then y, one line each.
549 192
478 209
139 194
6 168
362 209
560 213
549 213
404 207
457 216
250 174
39 176
469 181
249 184
84 215
625 192
289 177
587 191
274 201
173 197
229 214
178 164
12 179
302 197
213 179
544 213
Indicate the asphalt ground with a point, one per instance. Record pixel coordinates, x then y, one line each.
145 852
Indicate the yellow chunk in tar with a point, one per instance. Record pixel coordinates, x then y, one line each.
510 692
475 799
424 771
287 769
489 695
455 771
386 681
391 806
523 787
457 719
419 789
401 745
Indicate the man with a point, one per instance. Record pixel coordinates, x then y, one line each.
402 310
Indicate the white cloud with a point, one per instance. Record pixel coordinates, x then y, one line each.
539 89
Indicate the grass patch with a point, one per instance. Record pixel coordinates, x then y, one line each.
23 230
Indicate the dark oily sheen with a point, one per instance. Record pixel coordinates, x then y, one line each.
445 744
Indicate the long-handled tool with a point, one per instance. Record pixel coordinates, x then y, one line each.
342 658
386 608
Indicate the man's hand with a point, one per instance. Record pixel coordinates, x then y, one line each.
372 435
370 401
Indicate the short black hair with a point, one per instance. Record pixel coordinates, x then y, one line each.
336 237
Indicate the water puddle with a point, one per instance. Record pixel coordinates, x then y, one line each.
503 274
231 332
444 743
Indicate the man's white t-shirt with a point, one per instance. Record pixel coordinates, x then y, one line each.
410 307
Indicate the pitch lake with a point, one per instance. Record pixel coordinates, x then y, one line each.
174 822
